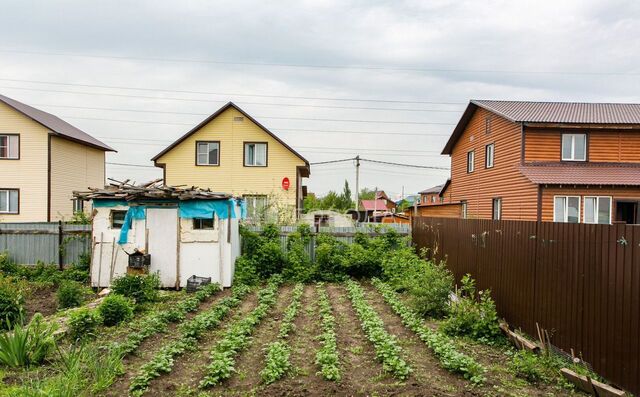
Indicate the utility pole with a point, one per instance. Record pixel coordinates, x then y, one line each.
358 185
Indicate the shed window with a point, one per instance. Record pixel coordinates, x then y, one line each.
574 147
597 210
117 219
9 146
489 151
203 223
470 159
497 208
256 206
255 154
208 153
566 209
9 201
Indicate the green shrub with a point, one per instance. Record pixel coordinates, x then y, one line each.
298 265
7 266
115 309
529 366
11 302
141 288
473 315
245 271
83 323
70 294
329 258
427 285
84 261
27 345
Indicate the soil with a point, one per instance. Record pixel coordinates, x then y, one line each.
150 346
189 368
41 299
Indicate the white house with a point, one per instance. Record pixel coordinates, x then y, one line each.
185 231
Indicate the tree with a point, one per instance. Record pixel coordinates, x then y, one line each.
367 194
346 201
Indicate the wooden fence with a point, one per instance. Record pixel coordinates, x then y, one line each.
581 282
344 234
49 242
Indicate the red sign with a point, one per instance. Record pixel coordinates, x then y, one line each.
286 183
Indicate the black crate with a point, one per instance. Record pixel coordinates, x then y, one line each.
194 282
139 261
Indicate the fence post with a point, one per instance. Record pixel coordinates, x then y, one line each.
60 245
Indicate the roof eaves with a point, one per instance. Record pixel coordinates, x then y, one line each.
459 129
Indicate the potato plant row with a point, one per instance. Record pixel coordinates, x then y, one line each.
277 362
443 347
238 337
190 332
158 322
327 355
387 349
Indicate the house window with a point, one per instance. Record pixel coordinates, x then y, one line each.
464 209
9 147
203 223
566 209
470 159
256 206
597 210
433 199
78 206
117 219
488 155
321 220
574 147
255 154
9 201
497 208
208 153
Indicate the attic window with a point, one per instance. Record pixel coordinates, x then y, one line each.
487 125
238 119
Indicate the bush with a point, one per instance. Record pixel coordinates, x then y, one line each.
84 261
83 323
529 366
115 309
245 272
298 265
11 302
70 294
427 284
7 266
474 315
141 288
28 345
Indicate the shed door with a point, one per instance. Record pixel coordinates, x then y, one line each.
163 243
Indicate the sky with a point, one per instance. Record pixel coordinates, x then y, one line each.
386 80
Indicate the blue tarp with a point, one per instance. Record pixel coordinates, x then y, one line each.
137 212
206 209
109 203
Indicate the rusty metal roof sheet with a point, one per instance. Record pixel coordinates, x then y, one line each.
55 124
564 112
608 174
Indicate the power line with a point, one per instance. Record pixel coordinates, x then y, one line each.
132 165
406 165
318 66
423 102
331 161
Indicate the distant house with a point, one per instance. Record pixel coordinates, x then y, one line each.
326 218
546 161
43 159
431 195
232 152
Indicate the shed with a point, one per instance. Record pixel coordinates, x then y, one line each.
185 231
326 218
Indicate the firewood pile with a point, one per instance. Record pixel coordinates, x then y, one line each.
154 190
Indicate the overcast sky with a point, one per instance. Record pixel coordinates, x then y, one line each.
150 70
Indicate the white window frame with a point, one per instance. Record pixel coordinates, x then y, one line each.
7 209
566 208
489 160
255 157
78 205
465 209
471 159
251 209
9 137
207 153
573 147
596 209
497 200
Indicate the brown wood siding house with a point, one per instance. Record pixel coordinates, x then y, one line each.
545 161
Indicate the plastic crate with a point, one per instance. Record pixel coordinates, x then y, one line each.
194 282
139 261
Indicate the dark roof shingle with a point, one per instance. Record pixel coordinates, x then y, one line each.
605 174
434 189
55 124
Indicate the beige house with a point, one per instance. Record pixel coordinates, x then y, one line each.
232 152
43 159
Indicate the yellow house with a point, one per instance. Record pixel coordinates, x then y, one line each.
232 152
43 159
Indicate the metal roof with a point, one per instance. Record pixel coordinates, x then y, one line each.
549 112
374 205
434 189
564 112
606 174
55 124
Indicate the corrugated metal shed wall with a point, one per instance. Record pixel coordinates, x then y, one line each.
28 243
